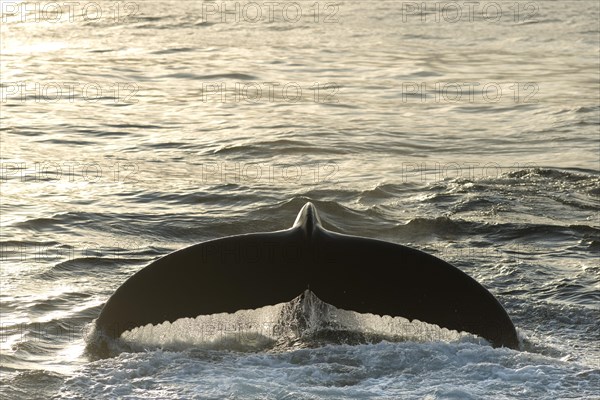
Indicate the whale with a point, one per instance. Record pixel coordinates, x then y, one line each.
253 270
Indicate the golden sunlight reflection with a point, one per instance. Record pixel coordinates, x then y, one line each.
133 128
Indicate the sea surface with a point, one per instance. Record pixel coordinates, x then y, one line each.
470 131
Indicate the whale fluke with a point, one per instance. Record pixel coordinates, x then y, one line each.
353 273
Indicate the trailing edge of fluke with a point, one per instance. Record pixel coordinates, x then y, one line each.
353 273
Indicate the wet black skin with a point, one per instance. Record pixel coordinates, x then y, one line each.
349 272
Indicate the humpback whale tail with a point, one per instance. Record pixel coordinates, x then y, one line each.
354 273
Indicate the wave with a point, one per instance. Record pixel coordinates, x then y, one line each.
233 75
367 371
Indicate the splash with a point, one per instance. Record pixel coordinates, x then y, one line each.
304 322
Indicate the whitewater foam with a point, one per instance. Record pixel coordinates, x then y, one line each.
305 321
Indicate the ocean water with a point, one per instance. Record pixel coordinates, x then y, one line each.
132 129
